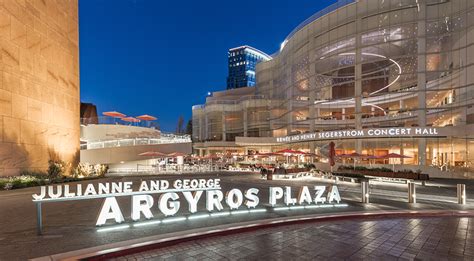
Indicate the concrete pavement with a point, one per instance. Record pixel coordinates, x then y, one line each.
70 226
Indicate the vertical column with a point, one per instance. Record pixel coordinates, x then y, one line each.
421 84
365 191
358 83
224 127
461 194
206 127
312 89
270 103
289 96
411 192
245 119
343 114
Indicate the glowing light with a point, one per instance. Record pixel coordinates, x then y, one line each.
171 220
258 210
149 223
198 216
121 227
297 207
220 214
238 212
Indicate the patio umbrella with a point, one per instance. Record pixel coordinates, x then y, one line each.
289 152
130 119
114 114
394 156
176 154
152 154
146 117
353 156
370 157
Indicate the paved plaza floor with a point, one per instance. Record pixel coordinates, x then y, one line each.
387 239
70 226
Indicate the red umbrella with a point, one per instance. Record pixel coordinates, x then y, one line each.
130 119
114 114
146 117
369 157
353 155
372 157
288 153
291 152
332 154
176 154
152 154
210 157
394 156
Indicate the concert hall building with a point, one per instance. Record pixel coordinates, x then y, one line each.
372 76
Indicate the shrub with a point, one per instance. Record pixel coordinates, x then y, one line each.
21 182
82 170
100 170
361 168
34 173
87 170
56 169
349 175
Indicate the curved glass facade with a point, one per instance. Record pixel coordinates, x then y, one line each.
371 64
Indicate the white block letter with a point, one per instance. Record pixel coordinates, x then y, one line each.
138 207
192 199
304 196
252 198
110 210
212 200
334 194
239 198
288 199
168 207
319 194
275 193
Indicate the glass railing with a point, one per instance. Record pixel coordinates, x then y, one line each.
118 121
165 138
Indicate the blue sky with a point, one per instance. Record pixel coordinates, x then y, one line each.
161 57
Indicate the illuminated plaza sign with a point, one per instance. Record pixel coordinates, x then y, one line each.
364 133
180 192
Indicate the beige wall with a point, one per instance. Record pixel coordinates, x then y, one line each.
39 83
101 132
115 155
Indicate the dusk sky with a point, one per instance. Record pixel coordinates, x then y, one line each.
161 57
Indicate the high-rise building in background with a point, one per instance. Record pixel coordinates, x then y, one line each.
39 86
242 62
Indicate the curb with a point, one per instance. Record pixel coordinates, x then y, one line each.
128 247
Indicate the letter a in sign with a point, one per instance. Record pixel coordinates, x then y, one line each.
110 210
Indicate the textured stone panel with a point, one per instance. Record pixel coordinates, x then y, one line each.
39 83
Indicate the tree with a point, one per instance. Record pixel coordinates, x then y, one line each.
179 127
189 127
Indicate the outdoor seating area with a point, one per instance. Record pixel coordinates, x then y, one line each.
282 164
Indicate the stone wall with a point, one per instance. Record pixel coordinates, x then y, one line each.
39 83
